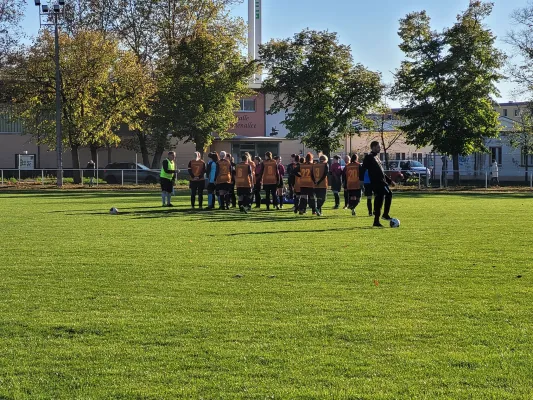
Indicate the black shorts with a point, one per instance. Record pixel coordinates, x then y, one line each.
197 185
211 187
226 187
355 193
167 185
244 191
368 190
272 188
305 191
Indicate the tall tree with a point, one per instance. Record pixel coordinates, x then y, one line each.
521 137
521 40
200 85
315 82
447 81
11 12
102 88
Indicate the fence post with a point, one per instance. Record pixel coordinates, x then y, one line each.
486 180
531 181
136 170
419 184
81 170
122 177
97 174
42 176
2 177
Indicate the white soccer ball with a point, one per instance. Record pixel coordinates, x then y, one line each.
394 223
113 211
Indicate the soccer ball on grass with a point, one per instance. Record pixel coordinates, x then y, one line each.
394 223
113 211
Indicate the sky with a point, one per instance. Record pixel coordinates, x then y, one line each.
369 27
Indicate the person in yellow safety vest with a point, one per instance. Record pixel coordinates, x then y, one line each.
167 178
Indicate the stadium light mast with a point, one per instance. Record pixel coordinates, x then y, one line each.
49 15
255 16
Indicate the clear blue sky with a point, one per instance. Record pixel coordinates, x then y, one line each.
370 27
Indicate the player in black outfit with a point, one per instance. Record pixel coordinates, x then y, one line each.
380 183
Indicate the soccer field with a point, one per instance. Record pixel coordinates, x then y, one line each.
160 303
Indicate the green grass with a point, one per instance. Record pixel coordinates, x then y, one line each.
155 304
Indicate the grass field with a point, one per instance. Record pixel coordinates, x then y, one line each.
159 304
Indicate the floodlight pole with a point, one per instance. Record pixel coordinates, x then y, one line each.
59 109
55 11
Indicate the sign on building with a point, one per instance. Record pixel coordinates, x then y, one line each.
25 161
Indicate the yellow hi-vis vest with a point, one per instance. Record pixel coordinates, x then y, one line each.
170 167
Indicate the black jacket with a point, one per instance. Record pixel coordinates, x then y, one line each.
373 165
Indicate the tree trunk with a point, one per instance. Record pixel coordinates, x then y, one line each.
200 147
76 164
456 169
94 150
144 148
156 162
109 155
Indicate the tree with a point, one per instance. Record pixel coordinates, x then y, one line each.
521 137
383 115
102 88
314 80
520 39
447 82
10 16
200 85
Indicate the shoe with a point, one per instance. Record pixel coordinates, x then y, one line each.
257 207
345 207
200 208
281 206
378 225
386 217
295 211
318 213
164 205
241 209
370 214
301 212
353 212
278 208
170 205
336 207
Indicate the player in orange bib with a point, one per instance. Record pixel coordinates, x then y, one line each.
320 172
197 171
223 181
244 183
352 175
307 183
270 176
296 187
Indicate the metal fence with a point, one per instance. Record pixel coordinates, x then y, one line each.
123 177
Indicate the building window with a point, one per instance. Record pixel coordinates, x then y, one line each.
496 153
255 149
516 112
505 112
417 157
526 159
247 105
398 156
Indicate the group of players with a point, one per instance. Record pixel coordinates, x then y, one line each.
230 184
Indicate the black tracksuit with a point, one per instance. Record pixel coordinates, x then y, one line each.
380 184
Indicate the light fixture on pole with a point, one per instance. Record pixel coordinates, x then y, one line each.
47 18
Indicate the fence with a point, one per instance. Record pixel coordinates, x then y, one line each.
122 177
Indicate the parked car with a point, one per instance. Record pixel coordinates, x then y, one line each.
113 173
410 169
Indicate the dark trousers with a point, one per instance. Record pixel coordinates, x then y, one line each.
197 188
346 197
270 190
382 193
257 194
320 197
232 195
